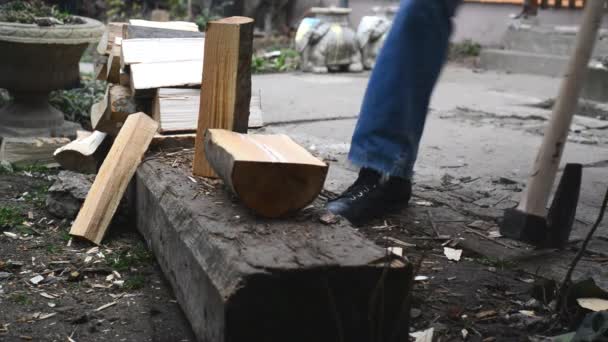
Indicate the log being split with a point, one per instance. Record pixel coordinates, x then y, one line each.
83 155
271 174
113 177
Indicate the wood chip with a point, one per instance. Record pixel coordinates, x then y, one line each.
47 296
46 316
105 306
37 279
593 304
485 314
396 250
423 336
452 254
10 235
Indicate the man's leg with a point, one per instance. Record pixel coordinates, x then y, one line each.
390 125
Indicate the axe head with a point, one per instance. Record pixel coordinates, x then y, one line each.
554 230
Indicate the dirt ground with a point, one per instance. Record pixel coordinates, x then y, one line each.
112 293
117 292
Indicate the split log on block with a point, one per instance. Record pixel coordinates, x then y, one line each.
23 151
108 115
114 175
226 84
176 110
83 155
251 279
271 174
151 29
113 65
135 51
149 76
113 30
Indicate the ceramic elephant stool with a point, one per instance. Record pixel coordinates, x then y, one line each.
372 33
327 43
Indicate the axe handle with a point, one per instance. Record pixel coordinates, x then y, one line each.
536 195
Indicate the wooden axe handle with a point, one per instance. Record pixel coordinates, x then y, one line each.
536 195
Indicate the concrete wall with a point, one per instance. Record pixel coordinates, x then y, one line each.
483 23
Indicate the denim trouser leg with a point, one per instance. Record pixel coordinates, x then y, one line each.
396 101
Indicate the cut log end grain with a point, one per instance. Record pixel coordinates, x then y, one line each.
271 174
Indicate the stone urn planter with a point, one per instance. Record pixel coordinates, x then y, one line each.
34 61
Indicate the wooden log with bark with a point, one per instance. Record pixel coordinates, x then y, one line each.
83 155
271 174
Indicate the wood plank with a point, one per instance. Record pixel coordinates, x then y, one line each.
147 76
271 174
113 67
113 177
113 30
135 51
226 84
23 151
108 115
83 155
101 69
152 29
176 110
240 278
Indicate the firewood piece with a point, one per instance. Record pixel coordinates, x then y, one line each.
147 76
151 29
135 51
27 150
176 110
113 177
113 66
83 155
271 174
101 69
106 43
172 141
124 78
108 115
226 84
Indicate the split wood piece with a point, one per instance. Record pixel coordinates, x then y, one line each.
101 69
226 84
146 77
114 175
124 78
271 174
23 151
135 51
151 29
83 155
113 66
176 110
113 30
233 273
162 142
108 115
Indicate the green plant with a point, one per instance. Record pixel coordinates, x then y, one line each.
465 48
10 217
210 14
37 196
21 298
52 249
121 10
76 103
26 12
135 282
287 60
125 259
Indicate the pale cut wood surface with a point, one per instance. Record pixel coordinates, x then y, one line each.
176 109
113 30
82 155
226 84
170 25
166 74
113 177
271 174
156 50
26 151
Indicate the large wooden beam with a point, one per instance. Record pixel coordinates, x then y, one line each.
271 174
113 177
240 278
226 85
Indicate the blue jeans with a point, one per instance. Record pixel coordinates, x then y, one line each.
396 101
